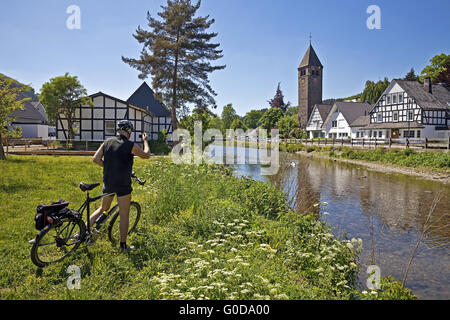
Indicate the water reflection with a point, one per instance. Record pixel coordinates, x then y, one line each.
387 211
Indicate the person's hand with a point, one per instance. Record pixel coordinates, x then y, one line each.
144 137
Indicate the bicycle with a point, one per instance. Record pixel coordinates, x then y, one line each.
63 235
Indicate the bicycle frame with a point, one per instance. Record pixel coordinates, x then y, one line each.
86 206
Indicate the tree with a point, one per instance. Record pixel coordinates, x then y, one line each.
438 70
228 116
292 111
278 100
177 54
238 124
63 95
297 133
198 115
411 76
373 90
10 100
286 124
271 117
216 123
251 119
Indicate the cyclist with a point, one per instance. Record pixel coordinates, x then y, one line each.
116 155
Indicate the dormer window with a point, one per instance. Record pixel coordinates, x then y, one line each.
388 98
400 98
394 98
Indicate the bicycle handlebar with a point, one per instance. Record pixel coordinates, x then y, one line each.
139 180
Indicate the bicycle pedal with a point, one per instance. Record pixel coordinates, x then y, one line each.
92 238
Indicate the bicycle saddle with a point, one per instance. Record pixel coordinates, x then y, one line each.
88 186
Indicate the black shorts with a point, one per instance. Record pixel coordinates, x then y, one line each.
119 191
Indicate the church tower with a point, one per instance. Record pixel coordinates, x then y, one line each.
310 78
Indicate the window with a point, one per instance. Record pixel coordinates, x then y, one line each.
411 116
357 134
408 134
380 134
380 117
334 124
110 127
388 99
418 133
400 98
395 116
394 98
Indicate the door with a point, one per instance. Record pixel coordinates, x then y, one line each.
395 133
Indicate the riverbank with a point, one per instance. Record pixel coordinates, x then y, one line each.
203 234
433 166
441 176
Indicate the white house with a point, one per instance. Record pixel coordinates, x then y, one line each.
99 122
316 120
409 109
341 116
32 119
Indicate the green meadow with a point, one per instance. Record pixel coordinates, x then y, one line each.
203 234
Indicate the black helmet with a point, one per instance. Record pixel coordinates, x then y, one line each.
125 125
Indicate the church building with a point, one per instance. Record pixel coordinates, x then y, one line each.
310 80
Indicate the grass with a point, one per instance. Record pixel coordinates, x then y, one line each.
406 157
204 234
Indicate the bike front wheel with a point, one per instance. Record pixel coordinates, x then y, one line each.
57 241
114 225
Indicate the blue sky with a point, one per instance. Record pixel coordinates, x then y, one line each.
263 43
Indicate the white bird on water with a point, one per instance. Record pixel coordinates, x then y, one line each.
293 164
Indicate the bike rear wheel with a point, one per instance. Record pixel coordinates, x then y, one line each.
114 225
56 242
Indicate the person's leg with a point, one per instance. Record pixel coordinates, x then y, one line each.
106 204
124 209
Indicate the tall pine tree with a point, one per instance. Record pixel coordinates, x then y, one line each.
177 54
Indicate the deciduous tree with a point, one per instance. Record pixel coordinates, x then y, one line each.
438 70
62 95
9 102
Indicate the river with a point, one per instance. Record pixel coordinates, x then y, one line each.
387 211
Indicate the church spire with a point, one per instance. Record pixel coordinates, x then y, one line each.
310 58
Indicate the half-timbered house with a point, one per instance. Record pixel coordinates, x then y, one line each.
409 109
98 122
144 97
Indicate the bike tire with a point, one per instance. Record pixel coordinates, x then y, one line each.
113 227
71 227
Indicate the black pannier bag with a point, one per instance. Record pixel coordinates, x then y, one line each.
46 211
